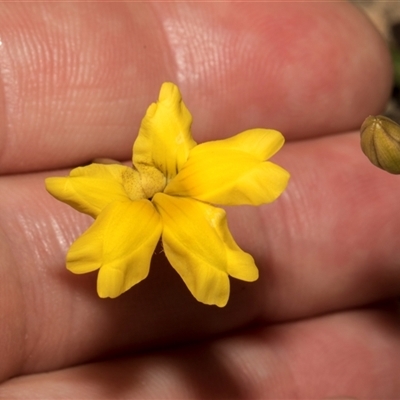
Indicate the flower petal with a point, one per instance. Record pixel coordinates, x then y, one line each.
233 171
259 143
121 243
164 139
89 189
198 244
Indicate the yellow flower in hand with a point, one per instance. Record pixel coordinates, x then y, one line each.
168 193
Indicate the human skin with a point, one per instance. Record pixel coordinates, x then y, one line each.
322 320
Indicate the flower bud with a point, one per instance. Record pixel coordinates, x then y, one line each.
380 142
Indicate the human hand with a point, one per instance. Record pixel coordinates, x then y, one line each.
319 322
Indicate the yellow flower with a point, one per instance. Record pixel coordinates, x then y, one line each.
169 193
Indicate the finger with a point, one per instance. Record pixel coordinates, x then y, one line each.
330 242
354 354
332 237
78 77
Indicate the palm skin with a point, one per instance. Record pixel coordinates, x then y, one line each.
321 320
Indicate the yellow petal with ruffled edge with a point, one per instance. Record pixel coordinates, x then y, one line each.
164 139
199 246
233 171
90 189
121 243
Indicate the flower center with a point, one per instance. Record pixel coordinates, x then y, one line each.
132 186
152 180
143 182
